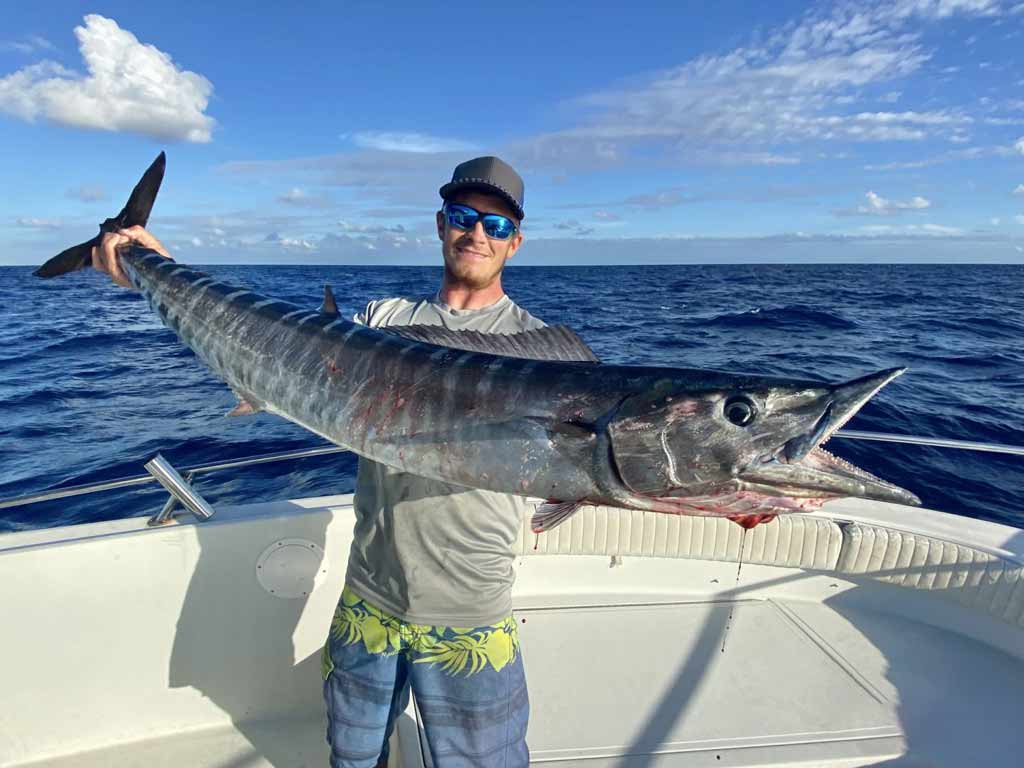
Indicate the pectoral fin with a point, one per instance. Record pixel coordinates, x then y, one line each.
244 408
551 514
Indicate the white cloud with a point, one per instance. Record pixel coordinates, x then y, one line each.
34 223
928 230
87 193
295 242
881 206
1019 145
129 86
418 143
797 83
995 221
939 229
301 198
28 45
1019 218
1019 191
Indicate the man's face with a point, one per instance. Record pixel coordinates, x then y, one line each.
471 258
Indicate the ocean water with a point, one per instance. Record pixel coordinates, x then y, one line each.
92 385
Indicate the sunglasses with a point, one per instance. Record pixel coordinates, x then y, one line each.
496 226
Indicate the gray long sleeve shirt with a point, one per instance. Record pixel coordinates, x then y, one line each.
426 551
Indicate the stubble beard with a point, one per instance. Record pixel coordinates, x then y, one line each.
475 275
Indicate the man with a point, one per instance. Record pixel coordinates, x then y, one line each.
427 601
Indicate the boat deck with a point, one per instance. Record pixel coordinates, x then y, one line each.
163 647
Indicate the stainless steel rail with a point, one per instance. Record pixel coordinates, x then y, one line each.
127 482
248 461
935 442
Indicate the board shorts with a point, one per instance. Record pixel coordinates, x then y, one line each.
469 684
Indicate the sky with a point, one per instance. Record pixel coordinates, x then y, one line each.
662 132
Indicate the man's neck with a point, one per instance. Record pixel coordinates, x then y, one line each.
462 297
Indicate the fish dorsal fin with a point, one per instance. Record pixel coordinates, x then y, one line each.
330 306
554 342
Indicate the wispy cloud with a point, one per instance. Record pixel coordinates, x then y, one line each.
418 143
28 45
664 198
371 229
129 86
968 153
34 223
401 179
301 198
1019 145
799 83
87 193
929 230
298 242
1019 191
880 206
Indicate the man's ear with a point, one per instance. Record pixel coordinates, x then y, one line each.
440 226
517 240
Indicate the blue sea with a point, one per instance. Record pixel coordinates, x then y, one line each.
92 385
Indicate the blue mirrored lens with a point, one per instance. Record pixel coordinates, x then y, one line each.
498 227
464 217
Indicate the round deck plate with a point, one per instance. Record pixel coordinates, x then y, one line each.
291 568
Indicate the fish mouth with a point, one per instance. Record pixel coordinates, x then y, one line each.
801 468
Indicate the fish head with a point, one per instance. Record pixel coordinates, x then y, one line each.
756 436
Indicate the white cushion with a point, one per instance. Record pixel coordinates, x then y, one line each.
971 576
793 541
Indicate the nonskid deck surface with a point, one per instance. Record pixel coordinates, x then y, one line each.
703 683
283 744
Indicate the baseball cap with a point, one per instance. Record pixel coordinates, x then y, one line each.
489 174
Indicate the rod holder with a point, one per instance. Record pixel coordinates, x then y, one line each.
180 490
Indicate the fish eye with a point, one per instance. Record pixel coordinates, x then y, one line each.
740 410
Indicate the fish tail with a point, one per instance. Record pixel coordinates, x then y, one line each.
76 257
135 212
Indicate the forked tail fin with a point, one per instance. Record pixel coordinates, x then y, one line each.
135 213
76 257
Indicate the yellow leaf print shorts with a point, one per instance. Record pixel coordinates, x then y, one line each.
469 683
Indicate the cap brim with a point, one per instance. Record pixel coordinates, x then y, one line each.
452 187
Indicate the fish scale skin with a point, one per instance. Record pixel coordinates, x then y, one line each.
346 384
529 427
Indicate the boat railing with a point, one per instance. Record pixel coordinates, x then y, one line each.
182 492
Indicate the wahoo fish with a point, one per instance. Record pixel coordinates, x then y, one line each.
533 414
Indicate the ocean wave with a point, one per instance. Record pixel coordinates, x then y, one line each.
780 318
93 399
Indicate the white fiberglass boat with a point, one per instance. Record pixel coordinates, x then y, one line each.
866 634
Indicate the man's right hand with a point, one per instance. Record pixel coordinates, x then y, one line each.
104 255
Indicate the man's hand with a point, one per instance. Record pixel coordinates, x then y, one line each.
104 255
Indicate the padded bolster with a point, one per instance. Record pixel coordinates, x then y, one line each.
793 541
976 578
